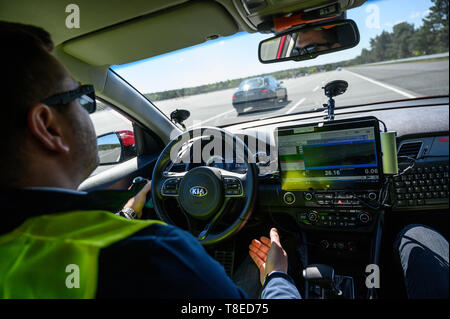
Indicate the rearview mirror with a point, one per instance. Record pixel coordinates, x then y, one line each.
308 42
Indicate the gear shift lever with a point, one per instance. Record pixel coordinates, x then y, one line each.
322 276
319 274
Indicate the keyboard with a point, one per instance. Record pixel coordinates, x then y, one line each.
423 186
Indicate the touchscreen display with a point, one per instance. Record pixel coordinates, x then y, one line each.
329 157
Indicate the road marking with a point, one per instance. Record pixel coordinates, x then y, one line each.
409 96
214 117
317 87
295 106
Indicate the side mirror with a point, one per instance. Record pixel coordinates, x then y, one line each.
309 41
116 147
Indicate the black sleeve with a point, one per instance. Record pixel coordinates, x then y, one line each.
162 262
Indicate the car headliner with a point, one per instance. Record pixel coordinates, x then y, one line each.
118 32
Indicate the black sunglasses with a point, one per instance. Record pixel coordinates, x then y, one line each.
312 48
85 94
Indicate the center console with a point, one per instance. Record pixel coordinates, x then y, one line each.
331 181
332 172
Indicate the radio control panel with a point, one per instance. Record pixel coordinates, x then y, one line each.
335 210
342 219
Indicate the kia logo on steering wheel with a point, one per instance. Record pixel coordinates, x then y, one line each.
198 191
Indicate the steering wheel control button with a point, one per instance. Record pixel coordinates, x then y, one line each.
170 187
233 187
289 198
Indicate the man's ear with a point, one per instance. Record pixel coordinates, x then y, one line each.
44 125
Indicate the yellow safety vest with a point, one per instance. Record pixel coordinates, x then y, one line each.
56 255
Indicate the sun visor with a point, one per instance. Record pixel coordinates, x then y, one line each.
176 28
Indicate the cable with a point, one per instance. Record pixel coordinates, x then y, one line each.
413 160
382 195
364 203
387 186
384 124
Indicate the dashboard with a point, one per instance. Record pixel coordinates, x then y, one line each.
337 175
330 178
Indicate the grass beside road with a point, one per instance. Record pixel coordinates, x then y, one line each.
407 62
426 60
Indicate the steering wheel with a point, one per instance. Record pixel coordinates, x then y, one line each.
204 192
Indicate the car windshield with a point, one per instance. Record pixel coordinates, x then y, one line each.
403 54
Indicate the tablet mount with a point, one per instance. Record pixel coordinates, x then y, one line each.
333 89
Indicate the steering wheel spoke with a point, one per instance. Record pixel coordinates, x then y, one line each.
204 233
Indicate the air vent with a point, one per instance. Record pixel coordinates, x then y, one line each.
410 149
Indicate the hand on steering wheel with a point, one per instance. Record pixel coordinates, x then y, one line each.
137 202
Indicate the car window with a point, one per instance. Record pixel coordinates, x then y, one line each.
109 126
251 84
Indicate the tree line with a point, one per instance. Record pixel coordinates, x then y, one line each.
403 42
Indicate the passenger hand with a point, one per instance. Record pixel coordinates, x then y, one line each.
268 255
137 202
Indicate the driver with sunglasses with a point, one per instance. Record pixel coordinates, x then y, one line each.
57 242
317 40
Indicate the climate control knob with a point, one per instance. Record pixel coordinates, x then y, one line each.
289 198
324 244
313 216
364 217
372 196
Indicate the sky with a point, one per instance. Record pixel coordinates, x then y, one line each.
237 56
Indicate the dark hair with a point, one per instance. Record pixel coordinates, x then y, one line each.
39 33
331 35
31 75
